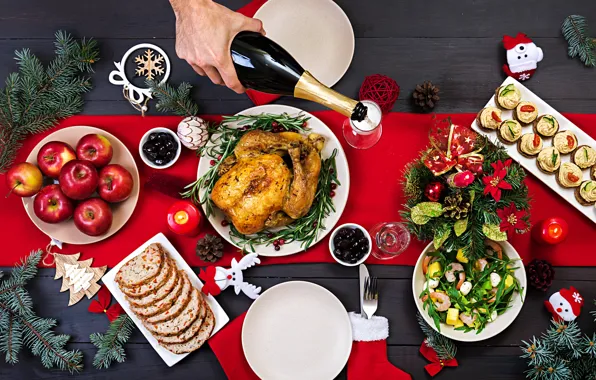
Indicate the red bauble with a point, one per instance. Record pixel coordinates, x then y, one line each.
380 89
434 191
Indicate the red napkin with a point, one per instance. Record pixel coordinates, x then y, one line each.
227 346
257 97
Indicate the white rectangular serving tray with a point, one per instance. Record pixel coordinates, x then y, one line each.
530 163
221 318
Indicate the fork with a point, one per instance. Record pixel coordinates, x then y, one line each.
371 296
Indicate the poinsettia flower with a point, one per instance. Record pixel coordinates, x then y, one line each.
500 165
493 184
512 219
102 305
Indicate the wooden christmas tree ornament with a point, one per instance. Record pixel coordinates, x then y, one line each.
79 277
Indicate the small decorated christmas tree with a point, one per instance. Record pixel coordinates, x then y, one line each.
562 353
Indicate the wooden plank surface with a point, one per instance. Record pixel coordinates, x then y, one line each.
454 43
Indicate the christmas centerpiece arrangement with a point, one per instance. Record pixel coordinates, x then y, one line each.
463 191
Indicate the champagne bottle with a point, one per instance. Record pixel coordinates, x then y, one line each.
263 65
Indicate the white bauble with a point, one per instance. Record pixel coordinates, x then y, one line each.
465 288
193 132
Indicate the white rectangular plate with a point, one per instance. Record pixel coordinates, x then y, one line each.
530 163
221 318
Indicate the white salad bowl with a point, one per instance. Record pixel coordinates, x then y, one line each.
492 328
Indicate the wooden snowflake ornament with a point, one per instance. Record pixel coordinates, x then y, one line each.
149 64
79 277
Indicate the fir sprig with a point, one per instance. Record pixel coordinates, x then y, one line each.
111 344
36 98
175 100
444 347
20 326
581 44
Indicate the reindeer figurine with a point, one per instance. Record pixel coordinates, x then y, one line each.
217 279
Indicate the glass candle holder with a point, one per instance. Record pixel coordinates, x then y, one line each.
366 133
390 239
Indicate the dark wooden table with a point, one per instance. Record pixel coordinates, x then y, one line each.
454 43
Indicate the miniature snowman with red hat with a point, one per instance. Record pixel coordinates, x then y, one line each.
522 56
565 305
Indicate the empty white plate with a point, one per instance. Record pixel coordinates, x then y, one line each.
297 331
317 33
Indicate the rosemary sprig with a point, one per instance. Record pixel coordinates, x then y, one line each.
305 229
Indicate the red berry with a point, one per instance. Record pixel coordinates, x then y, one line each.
282 242
274 124
269 235
332 194
331 170
219 157
333 186
315 224
277 247
225 223
276 242
304 124
212 162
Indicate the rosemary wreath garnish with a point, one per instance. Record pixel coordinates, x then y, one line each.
222 141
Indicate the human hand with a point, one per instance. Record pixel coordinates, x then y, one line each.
204 34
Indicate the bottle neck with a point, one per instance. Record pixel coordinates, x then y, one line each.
309 88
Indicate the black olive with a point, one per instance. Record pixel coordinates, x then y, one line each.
162 150
169 144
159 162
163 135
151 156
148 148
152 136
170 155
358 233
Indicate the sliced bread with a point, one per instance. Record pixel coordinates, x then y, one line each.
171 308
181 322
165 303
142 268
161 292
158 281
191 331
198 340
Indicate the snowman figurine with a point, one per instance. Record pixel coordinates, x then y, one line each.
522 56
565 305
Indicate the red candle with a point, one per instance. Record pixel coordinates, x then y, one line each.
550 231
184 218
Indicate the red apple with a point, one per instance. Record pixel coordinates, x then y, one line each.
95 148
115 183
78 179
51 205
93 217
52 156
24 179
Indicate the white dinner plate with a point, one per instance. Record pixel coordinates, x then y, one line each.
317 33
530 163
341 193
493 328
297 331
221 318
66 231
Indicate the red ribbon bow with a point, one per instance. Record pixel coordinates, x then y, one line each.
436 364
453 146
209 284
102 305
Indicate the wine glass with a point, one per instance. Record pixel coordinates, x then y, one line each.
366 133
390 239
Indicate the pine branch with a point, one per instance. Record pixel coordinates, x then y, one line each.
444 347
170 99
19 325
36 98
111 344
575 31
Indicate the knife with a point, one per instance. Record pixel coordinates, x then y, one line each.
363 275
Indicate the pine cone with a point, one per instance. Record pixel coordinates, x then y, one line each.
426 95
540 274
210 248
456 207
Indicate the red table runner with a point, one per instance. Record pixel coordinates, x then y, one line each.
375 196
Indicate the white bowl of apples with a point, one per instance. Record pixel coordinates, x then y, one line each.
79 185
